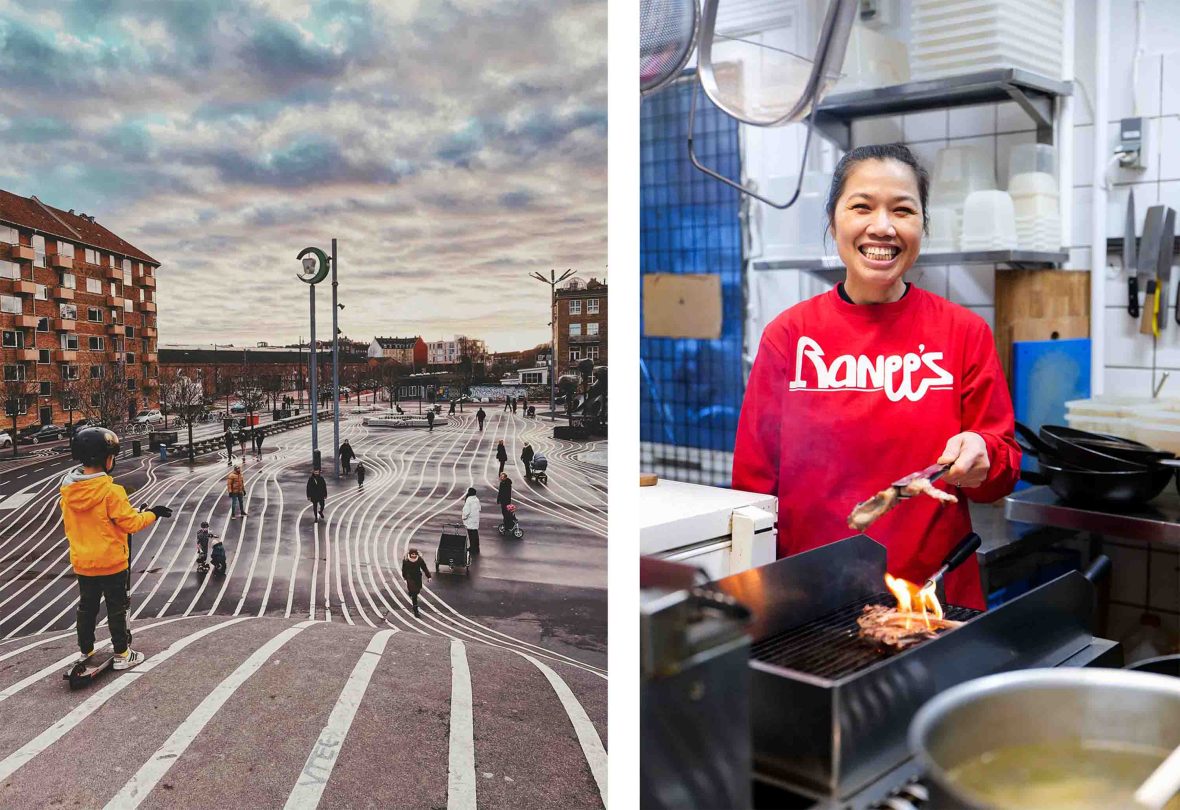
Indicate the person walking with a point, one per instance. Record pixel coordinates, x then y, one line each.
360 474
507 403
317 493
471 509
346 456
242 441
524 405
235 485
430 420
413 567
501 454
479 417
504 498
451 412
515 401
229 446
526 455
99 520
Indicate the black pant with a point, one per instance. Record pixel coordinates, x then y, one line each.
113 588
508 518
501 467
347 462
317 508
481 426
414 587
473 539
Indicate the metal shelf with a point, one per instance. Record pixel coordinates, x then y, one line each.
1011 257
1034 93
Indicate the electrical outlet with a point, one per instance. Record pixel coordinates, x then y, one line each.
1132 144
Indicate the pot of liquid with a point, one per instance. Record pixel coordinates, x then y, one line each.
1052 739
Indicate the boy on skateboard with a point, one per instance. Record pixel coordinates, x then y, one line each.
98 517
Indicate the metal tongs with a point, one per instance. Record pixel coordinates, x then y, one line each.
931 473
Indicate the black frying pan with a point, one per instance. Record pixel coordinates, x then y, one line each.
1077 485
1099 451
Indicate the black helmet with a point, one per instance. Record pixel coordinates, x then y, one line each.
93 445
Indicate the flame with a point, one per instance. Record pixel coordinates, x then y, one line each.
913 600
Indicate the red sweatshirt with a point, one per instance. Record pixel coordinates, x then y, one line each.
845 398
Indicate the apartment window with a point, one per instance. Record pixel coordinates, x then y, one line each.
10 305
114 316
91 256
575 307
94 314
45 388
14 340
117 345
591 306
591 352
142 294
130 359
575 330
114 288
96 372
94 285
38 250
130 331
95 400
592 328
43 325
128 305
65 248
69 342
67 312
14 372
69 372
22 406
68 281
575 354
9 234
42 293
9 270
95 343
43 358
126 265
131 384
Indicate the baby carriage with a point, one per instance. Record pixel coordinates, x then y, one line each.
516 529
538 468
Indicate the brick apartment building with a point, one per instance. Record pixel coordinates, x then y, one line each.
453 352
581 324
410 351
77 303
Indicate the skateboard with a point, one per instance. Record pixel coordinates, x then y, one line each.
85 673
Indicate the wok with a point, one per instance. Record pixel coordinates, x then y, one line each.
1163 665
1078 485
1097 451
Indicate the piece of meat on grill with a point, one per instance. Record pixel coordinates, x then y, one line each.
887 626
923 486
866 512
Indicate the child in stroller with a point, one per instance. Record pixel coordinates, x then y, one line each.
218 557
516 530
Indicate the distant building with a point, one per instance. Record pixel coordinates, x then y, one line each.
452 352
580 317
280 368
77 302
408 351
527 376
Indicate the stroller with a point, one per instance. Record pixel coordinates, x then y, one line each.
538 468
516 529
532 412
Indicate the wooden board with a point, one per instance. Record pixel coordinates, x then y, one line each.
1040 305
682 305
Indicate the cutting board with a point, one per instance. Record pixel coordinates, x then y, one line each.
1045 375
1039 305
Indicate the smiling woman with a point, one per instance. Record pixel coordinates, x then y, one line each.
875 379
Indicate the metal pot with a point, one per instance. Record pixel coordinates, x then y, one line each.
1040 706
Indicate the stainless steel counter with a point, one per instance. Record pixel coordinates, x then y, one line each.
1157 522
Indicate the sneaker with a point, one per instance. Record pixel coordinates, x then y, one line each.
84 658
243 514
129 659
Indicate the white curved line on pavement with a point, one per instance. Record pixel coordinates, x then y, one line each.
322 759
461 764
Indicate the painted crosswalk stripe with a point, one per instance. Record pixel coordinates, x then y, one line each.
14 761
587 735
322 759
461 769
148 776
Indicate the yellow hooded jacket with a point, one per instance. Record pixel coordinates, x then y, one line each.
98 516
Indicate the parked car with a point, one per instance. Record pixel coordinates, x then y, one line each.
237 407
44 433
151 416
5 440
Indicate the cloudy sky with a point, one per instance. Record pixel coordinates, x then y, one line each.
452 146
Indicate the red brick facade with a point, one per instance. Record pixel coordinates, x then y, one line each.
582 307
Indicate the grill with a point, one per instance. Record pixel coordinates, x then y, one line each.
830 646
828 711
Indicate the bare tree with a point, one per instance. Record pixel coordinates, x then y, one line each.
167 393
68 392
188 403
104 399
250 393
389 376
17 394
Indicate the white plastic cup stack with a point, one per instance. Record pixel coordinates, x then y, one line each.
958 171
1035 197
989 221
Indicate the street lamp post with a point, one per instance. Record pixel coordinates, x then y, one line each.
335 371
553 281
315 270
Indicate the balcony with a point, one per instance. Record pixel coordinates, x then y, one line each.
149 357
146 281
113 357
24 288
60 262
114 301
148 331
21 253
64 324
65 355
62 294
25 321
112 273
116 329
148 306
25 355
